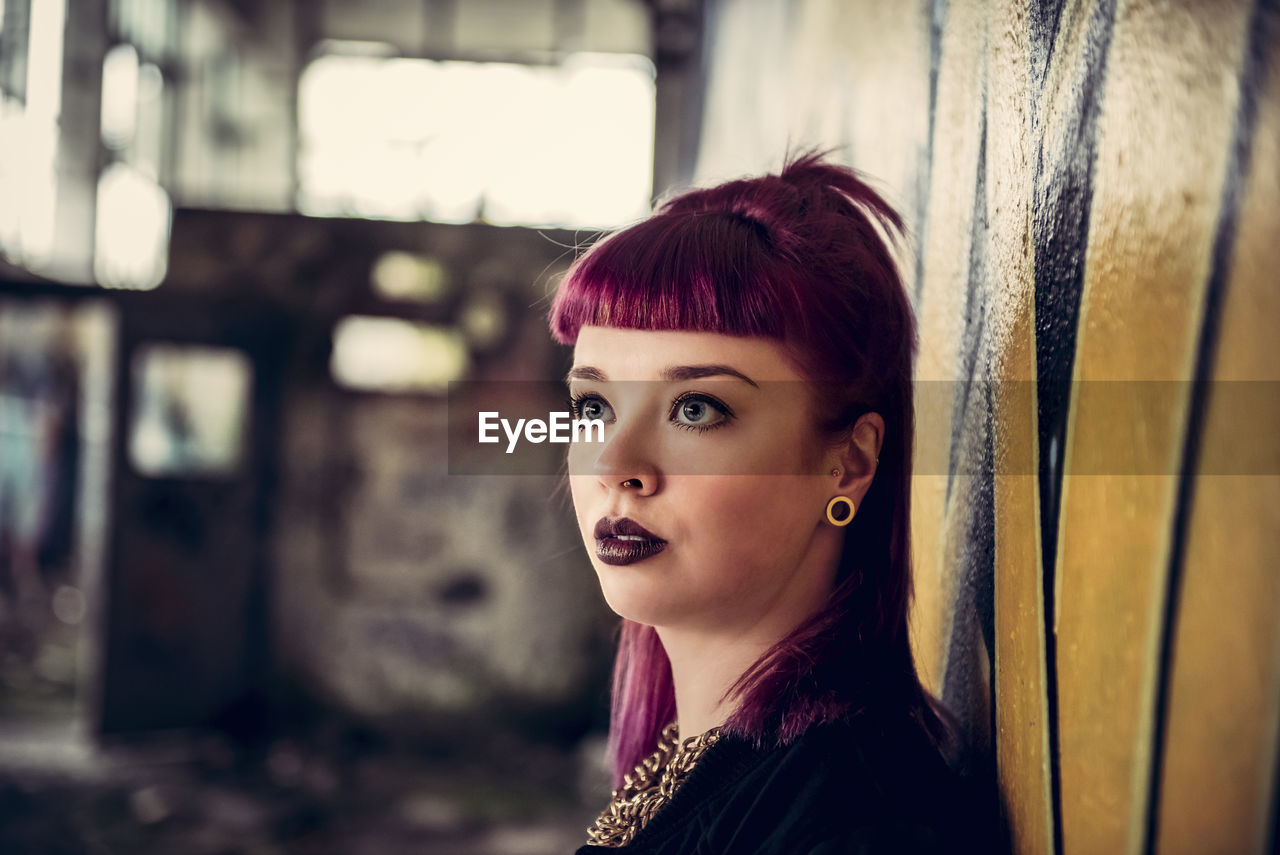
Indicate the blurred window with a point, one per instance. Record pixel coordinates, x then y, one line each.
408 139
382 354
134 209
147 24
31 33
15 24
400 275
191 408
131 234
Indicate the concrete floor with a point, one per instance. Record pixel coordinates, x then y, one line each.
197 794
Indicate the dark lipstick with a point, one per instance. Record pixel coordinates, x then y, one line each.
625 541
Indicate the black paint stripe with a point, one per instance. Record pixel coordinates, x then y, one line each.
977 560
1264 29
1044 19
973 625
1063 196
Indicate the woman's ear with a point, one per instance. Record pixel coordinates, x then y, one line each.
857 457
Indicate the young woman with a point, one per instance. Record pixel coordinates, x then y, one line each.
750 349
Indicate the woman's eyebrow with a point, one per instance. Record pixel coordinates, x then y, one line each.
697 372
585 372
674 374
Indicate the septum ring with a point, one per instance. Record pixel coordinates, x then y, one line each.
631 482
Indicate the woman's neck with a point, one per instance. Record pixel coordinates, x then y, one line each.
707 660
703 668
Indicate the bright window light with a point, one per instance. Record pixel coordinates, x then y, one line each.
401 275
44 71
29 143
28 183
391 355
408 139
119 96
131 243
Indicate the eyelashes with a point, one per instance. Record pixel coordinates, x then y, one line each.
694 411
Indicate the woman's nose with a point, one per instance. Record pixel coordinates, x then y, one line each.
626 462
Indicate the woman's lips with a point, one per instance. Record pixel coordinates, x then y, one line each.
624 541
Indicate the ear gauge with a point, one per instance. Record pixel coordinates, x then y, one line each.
836 472
840 511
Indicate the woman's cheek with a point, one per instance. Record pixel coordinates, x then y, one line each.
734 516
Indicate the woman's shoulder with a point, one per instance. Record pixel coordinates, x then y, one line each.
868 784
863 785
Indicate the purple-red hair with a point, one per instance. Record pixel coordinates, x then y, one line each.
800 258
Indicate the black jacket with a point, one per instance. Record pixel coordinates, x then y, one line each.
866 786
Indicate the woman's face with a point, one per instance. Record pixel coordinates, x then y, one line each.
704 507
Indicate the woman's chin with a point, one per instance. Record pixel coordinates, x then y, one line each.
652 608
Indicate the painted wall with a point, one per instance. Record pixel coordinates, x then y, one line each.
1093 190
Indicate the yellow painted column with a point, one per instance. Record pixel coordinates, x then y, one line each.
1220 748
1165 129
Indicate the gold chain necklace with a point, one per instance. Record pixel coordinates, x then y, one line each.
649 786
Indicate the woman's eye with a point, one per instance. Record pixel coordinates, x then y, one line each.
591 407
699 412
695 412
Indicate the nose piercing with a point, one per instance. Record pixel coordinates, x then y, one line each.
632 482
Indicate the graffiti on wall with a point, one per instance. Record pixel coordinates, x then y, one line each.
1092 190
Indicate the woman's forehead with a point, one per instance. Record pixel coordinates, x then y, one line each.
630 354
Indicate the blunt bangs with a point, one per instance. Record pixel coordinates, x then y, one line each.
696 271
